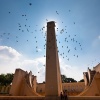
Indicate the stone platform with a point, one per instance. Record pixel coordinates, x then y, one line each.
43 98
21 98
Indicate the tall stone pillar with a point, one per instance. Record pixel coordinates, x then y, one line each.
53 85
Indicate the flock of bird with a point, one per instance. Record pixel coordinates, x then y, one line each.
62 31
64 49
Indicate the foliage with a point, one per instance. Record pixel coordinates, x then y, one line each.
82 80
67 80
6 79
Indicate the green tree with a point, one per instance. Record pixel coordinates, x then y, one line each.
2 79
70 80
9 78
63 78
67 80
6 79
82 80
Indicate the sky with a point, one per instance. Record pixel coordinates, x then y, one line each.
23 35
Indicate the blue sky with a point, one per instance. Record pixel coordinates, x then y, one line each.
22 36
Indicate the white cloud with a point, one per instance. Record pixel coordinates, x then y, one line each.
71 71
8 53
10 59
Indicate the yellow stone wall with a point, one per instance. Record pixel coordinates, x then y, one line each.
72 88
97 68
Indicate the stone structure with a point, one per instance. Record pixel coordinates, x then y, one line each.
91 77
24 84
5 89
97 68
73 89
92 82
53 85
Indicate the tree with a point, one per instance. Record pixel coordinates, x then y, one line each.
2 79
70 80
9 78
67 80
82 80
6 79
63 78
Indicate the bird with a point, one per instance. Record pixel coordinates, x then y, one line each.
27 30
4 33
20 26
16 36
44 65
57 12
8 33
69 39
22 30
36 50
30 4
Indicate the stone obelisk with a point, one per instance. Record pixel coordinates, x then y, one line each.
53 85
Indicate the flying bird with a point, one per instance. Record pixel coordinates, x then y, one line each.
30 4
57 12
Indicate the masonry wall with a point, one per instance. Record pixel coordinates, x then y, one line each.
97 68
16 83
72 88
